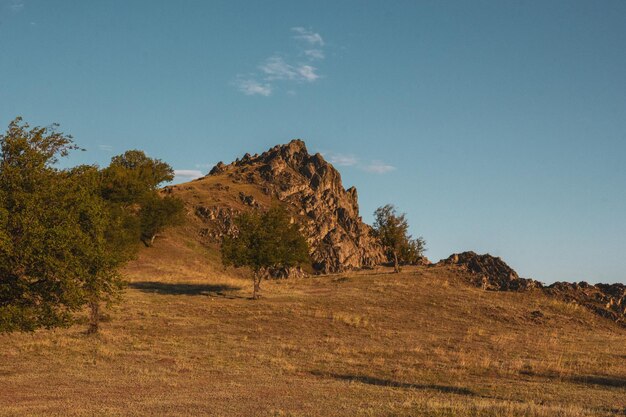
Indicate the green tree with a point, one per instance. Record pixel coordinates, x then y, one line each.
132 175
108 239
157 213
41 268
392 229
64 234
265 240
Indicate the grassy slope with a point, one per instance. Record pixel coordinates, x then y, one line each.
188 341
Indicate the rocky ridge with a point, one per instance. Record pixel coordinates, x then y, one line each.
492 273
313 192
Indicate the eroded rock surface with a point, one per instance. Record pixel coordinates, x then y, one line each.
312 190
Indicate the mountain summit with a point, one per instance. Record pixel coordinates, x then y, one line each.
308 185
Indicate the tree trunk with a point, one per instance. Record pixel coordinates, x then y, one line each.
396 265
94 317
257 285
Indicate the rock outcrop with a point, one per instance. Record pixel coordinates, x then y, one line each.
606 300
492 273
312 190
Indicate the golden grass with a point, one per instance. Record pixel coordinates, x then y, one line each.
189 341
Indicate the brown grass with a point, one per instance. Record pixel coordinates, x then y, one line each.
189 341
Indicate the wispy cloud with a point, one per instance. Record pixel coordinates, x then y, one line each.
16 5
307 73
190 174
308 36
276 68
342 160
314 54
252 87
281 69
378 167
105 148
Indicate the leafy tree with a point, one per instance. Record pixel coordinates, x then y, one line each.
131 181
41 268
108 239
132 175
392 230
265 240
64 234
157 213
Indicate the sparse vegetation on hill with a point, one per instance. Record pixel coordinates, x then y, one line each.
420 343
427 341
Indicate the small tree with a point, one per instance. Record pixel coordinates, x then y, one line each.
392 230
131 181
157 213
265 240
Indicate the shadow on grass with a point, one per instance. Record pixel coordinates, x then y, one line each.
602 380
396 384
605 381
184 289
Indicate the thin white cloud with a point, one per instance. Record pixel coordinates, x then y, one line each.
252 87
314 54
276 68
308 36
191 174
378 167
342 160
307 73
105 148
280 70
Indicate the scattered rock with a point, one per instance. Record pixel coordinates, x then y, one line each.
490 272
606 300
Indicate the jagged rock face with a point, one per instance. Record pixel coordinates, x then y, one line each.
490 273
606 300
312 189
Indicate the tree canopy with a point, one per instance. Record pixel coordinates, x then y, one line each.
263 241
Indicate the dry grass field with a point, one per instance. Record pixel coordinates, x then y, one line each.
187 340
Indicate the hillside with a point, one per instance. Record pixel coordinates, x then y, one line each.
464 337
306 184
188 341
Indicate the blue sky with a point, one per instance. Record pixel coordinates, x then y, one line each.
497 126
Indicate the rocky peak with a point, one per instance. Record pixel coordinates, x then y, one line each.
312 188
